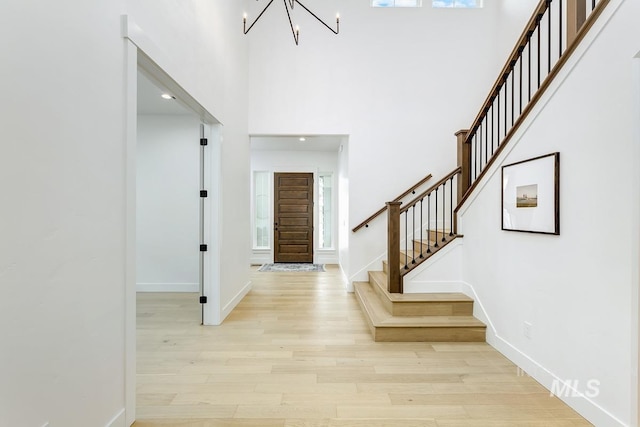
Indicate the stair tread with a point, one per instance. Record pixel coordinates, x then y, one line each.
381 278
382 318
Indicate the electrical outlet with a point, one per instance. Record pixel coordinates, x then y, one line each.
527 329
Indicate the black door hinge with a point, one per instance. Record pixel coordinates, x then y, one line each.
203 300
204 141
203 248
203 193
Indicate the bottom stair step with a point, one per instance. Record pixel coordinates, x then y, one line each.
386 327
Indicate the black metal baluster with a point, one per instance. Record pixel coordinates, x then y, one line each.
493 134
513 99
429 223
406 240
421 225
444 209
498 118
529 64
539 20
560 31
436 239
475 154
520 93
505 107
451 204
480 143
413 231
486 132
593 5
549 31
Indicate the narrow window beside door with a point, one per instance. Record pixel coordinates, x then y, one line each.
325 207
262 208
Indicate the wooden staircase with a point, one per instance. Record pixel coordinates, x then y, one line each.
429 317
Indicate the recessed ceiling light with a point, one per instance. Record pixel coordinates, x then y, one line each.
167 96
302 139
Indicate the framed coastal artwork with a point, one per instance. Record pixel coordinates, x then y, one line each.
531 195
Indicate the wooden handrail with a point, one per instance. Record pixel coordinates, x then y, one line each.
590 20
366 222
431 189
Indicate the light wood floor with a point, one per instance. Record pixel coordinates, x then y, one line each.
297 352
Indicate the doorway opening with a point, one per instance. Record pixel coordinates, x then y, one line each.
199 177
324 160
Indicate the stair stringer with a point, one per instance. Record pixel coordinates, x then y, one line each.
442 272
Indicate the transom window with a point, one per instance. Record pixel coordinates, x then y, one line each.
469 4
396 3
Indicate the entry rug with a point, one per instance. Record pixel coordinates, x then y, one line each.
288 267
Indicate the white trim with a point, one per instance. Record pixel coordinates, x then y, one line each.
141 53
586 407
118 420
363 273
167 287
130 137
235 301
345 280
635 251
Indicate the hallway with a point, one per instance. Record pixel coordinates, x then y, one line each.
297 352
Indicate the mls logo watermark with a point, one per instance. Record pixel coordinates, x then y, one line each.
570 388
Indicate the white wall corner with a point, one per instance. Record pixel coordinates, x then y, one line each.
227 309
345 280
119 420
362 275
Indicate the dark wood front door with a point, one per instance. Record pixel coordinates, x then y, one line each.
293 225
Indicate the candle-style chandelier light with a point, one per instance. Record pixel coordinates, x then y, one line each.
288 5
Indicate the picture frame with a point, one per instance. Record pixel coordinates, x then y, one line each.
531 195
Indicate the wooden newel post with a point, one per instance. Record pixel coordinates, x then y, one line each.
394 284
464 162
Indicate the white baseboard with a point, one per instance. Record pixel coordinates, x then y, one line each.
227 309
527 366
118 420
326 259
582 404
167 287
362 275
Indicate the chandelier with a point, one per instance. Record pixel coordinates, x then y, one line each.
288 5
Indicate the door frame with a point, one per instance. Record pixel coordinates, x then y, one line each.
635 242
313 211
141 52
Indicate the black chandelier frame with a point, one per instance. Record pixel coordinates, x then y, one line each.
288 5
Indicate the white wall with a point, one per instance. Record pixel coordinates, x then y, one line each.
574 289
62 216
300 161
344 232
167 221
399 82
62 169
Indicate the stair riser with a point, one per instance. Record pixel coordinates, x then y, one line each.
436 308
432 309
429 334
